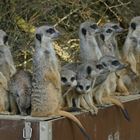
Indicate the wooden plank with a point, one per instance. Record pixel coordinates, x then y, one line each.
19 117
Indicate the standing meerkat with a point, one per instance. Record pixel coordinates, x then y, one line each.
7 66
20 92
108 36
7 69
89 49
46 98
131 49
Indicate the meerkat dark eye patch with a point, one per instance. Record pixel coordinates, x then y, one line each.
89 69
102 37
94 26
80 86
50 30
5 39
63 79
84 31
108 31
115 63
99 66
87 87
38 37
72 79
133 25
115 27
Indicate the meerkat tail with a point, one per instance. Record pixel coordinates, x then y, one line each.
119 104
74 119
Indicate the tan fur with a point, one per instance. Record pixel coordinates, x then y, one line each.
4 102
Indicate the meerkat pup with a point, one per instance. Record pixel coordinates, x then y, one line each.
68 84
83 96
46 98
89 49
131 49
20 92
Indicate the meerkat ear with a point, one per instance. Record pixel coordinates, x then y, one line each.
5 39
84 31
38 37
102 37
133 25
89 70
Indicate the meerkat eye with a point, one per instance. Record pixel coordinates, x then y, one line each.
84 31
63 79
115 27
94 26
80 86
102 37
99 66
115 62
87 87
72 79
50 30
133 25
108 31
5 39
104 64
38 37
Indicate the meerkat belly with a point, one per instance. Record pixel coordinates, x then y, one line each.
110 84
45 101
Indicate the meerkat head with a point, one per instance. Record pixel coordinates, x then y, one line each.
46 34
84 86
112 63
88 30
107 33
3 38
134 23
135 40
115 26
68 78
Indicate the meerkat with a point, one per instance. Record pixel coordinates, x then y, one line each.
89 49
108 37
46 98
131 49
104 92
7 69
68 84
84 98
20 92
7 66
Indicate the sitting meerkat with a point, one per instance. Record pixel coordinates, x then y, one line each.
46 98
20 92
104 93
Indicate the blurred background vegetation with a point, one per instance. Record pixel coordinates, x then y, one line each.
20 17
